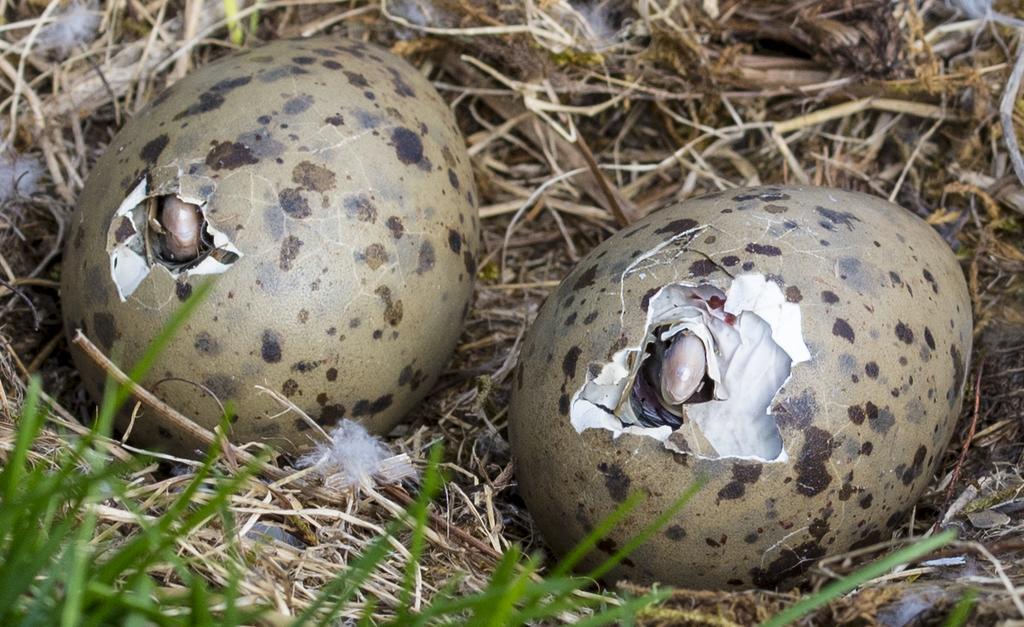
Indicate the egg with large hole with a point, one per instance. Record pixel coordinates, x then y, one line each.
802 350
325 187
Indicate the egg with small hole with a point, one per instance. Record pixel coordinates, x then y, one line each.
798 353
323 186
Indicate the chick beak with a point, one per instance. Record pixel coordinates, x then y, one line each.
683 366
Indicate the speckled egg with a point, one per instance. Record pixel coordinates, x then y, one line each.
324 186
802 349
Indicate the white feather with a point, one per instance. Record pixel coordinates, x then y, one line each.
982 9
71 27
353 457
19 174
598 19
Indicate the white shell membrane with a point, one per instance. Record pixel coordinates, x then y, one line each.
751 338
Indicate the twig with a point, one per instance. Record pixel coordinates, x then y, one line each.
193 10
814 118
529 203
207 437
36 318
514 111
45 352
676 616
602 181
1006 107
1018 602
403 497
790 158
150 400
967 440
910 161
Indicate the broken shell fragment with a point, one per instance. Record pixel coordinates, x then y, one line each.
803 349
325 184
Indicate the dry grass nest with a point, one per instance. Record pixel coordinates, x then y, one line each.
651 100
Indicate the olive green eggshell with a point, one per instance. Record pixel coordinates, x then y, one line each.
887 320
339 175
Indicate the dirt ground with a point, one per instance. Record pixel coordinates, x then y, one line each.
904 100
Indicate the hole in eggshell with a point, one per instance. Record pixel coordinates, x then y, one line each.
703 378
170 231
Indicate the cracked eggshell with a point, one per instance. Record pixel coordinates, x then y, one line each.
864 421
339 176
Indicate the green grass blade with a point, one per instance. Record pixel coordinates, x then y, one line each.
550 586
50 573
366 616
32 535
510 586
587 544
855 579
648 531
340 590
126 601
171 526
961 612
111 403
20 570
155 544
554 606
623 614
31 423
447 606
254 21
233 590
429 487
78 554
231 17
199 600
496 605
